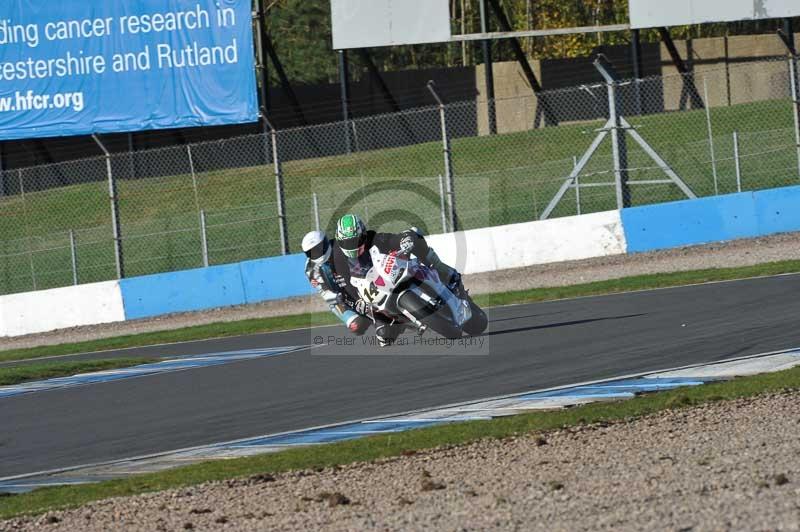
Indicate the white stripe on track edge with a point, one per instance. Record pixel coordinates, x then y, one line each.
387 417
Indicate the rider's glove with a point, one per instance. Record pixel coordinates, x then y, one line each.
361 307
456 285
407 244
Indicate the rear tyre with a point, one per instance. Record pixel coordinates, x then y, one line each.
412 303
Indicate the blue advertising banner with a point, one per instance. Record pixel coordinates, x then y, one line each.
74 67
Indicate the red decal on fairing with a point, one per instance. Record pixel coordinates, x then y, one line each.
390 262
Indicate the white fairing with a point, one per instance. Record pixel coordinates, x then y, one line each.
61 308
389 271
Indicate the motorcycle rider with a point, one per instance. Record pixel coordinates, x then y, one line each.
330 286
352 258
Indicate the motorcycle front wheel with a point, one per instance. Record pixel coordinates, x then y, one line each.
479 320
412 303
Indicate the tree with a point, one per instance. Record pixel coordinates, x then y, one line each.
301 33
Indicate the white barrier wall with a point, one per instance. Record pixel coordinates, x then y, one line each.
60 308
542 242
474 251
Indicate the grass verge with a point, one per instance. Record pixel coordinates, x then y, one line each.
34 372
264 325
396 444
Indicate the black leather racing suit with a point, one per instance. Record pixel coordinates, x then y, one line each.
386 243
331 287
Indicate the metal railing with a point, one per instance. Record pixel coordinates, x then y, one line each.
438 168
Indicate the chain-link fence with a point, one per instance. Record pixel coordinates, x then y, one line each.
573 151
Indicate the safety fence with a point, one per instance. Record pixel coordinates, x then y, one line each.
450 166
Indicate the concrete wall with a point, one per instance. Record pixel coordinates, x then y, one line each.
726 62
526 244
515 104
218 286
705 220
60 308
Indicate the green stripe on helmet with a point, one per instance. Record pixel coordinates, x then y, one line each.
350 253
349 226
349 232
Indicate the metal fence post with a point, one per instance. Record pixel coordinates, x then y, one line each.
74 256
636 59
711 137
577 185
114 199
344 81
442 204
486 47
448 158
204 237
194 176
317 223
279 189
738 162
619 147
200 211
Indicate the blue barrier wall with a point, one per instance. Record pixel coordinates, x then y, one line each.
715 219
275 278
217 286
778 210
649 228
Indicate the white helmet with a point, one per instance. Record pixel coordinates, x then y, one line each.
317 247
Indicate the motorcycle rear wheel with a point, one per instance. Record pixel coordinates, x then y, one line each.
414 304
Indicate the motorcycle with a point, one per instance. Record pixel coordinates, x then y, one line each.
407 292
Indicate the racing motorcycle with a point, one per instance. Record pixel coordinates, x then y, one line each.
407 292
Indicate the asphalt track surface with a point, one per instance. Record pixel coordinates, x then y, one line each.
527 347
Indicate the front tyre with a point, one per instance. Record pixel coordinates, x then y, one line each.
479 320
412 303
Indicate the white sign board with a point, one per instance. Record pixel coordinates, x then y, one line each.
657 13
373 23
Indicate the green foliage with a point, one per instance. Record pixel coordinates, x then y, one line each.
301 31
50 370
